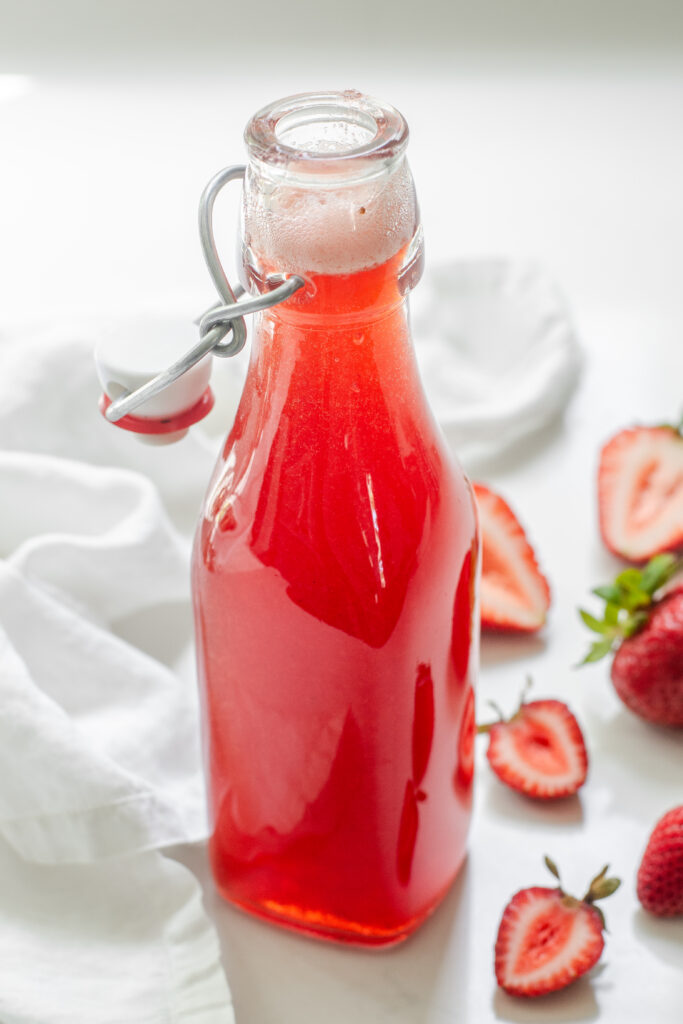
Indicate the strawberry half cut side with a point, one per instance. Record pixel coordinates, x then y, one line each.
547 939
640 492
540 751
515 595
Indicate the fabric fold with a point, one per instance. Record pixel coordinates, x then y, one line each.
99 744
126 940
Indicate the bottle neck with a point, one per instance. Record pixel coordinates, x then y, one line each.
331 370
344 301
300 225
339 355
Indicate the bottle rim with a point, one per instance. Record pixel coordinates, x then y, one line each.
320 137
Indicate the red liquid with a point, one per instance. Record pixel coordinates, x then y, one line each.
334 577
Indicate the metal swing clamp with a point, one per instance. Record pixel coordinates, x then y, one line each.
222 330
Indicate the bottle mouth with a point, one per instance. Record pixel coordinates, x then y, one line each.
327 136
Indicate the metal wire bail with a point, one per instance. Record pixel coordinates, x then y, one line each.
222 330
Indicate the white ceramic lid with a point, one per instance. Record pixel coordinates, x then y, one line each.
131 350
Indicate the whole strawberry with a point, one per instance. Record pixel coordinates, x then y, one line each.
660 876
647 631
547 939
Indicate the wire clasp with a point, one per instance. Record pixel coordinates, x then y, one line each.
222 330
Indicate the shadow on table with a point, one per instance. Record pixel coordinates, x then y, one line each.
662 935
497 648
503 802
578 1003
575 1003
279 976
627 744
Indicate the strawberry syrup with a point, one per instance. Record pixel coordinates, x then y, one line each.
334 575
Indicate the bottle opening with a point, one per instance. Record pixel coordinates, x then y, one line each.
328 189
327 136
326 129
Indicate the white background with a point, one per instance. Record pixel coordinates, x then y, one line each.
551 135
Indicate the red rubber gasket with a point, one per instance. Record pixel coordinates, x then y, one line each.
167 425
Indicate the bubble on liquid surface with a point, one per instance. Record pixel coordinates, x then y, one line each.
301 228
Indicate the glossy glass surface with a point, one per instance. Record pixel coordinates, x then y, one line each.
334 577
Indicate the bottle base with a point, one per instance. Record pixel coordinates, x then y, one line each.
329 927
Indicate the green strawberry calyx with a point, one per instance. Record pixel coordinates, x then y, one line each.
628 603
487 726
676 427
599 889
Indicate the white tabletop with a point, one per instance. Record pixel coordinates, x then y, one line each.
578 165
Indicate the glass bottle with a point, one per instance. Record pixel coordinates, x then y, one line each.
336 560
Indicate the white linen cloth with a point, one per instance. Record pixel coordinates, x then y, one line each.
99 754
497 351
99 758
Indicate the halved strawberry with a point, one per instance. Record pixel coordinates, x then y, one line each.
540 751
547 939
640 492
515 595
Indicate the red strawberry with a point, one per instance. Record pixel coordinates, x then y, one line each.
640 492
647 671
540 751
660 876
515 595
547 939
